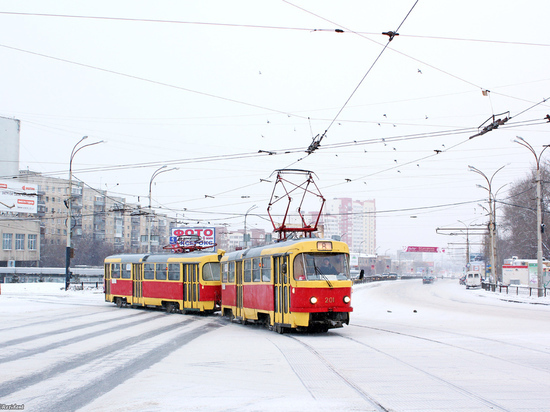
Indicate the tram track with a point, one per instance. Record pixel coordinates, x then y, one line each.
440 342
459 389
375 401
369 398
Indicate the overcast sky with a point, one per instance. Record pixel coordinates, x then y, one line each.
205 85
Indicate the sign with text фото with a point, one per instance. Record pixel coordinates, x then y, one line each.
186 236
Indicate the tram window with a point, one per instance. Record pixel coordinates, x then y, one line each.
231 272
256 270
173 271
126 271
211 271
319 266
247 271
266 269
149 271
225 267
161 271
115 271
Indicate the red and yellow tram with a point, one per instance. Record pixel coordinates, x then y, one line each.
301 284
186 282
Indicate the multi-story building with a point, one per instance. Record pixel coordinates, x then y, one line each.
96 216
353 222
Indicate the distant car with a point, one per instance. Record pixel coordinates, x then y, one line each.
473 280
427 280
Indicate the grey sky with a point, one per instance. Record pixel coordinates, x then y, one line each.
174 92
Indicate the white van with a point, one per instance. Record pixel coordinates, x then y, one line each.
473 280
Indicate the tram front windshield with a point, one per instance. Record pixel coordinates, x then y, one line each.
321 266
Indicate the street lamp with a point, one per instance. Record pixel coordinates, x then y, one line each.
70 206
245 215
155 174
492 215
524 143
467 243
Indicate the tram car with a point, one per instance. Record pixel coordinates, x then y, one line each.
302 284
188 282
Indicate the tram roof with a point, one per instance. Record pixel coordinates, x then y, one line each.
158 257
257 250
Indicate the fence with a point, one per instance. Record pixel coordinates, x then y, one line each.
519 289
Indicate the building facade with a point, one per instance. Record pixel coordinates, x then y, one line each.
353 222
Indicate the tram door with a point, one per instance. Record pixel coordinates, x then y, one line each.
239 289
107 282
191 286
137 284
281 289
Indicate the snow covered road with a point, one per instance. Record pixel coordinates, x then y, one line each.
410 347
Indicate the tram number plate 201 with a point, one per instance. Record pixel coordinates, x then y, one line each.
329 300
324 245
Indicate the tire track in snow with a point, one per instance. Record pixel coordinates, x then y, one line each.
78 398
41 349
23 382
18 341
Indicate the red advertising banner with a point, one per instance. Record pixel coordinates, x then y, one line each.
423 249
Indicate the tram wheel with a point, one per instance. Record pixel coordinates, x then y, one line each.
118 302
279 329
170 307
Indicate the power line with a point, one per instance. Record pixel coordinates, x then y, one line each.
317 140
159 83
256 26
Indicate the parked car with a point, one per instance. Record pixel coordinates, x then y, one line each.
427 280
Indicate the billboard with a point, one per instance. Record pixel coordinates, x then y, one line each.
424 249
16 197
186 236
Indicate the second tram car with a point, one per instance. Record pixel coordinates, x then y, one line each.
186 282
302 284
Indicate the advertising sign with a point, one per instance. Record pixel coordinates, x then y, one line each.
187 236
16 197
424 249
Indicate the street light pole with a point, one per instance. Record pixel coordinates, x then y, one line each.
524 143
245 215
467 244
150 217
70 207
492 216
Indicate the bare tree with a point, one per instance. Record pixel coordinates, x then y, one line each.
89 251
518 224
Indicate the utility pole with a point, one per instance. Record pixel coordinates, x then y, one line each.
150 215
492 217
540 227
70 207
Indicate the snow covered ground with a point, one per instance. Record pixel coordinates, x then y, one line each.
409 347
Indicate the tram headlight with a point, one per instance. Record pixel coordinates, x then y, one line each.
347 299
313 300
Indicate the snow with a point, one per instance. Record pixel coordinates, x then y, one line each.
409 346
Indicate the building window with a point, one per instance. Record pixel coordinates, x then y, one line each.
20 241
31 239
7 240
